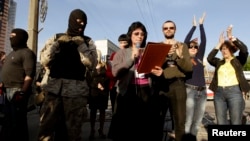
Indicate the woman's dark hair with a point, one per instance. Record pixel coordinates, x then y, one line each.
133 27
231 47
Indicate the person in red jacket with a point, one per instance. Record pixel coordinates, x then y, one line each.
123 43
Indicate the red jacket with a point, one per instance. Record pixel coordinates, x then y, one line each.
112 79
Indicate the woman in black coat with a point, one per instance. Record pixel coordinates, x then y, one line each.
229 83
99 94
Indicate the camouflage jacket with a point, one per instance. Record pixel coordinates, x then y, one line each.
62 86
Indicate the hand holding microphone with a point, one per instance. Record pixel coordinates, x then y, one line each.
136 50
138 45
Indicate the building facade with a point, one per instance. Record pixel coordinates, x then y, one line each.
7 23
106 47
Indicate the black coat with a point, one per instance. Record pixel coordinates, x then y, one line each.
237 63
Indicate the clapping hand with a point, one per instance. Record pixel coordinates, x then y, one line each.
202 19
172 49
221 40
229 31
194 21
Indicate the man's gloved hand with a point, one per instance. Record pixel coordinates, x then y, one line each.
18 96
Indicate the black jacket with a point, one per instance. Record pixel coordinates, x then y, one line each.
237 63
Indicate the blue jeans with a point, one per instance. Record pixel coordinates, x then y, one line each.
195 108
229 99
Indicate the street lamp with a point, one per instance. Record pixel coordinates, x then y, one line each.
33 21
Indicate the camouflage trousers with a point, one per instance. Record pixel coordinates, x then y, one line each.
61 118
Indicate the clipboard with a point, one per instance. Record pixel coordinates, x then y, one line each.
153 55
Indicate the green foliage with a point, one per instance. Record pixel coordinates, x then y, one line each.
246 67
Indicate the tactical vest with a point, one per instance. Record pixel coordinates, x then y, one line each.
67 63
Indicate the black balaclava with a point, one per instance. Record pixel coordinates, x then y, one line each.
74 26
20 40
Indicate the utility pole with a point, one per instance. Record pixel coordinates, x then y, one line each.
33 24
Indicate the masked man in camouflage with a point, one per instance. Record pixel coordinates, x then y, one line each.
68 56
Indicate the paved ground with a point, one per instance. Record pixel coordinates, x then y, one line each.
33 120
202 134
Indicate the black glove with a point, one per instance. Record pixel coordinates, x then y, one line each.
18 96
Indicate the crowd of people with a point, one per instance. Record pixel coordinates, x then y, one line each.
74 79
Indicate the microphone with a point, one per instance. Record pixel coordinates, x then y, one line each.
138 45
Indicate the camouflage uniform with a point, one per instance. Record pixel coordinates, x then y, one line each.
67 98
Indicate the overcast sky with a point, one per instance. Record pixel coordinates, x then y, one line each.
107 19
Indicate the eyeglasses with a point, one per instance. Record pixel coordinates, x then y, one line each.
195 47
168 28
139 33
